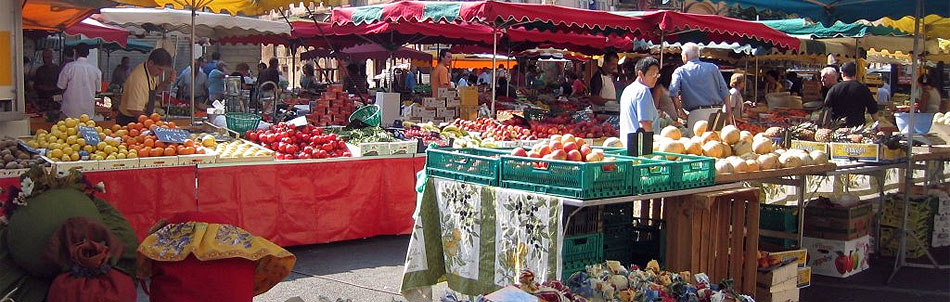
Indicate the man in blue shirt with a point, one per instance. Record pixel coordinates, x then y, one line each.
699 87
637 109
211 66
216 82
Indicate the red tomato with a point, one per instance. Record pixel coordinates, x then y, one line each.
252 135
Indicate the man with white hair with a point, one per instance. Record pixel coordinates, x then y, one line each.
699 87
829 77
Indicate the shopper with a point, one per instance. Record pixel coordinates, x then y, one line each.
309 78
183 83
699 86
737 82
271 74
80 81
213 64
884 93
928 100
140 91
44 83
244 71
485 77
216 81
411 79
829 77
602 87
637 110
851 99
440 75
772 82
121 72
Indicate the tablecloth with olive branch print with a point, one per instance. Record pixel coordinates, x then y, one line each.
478 238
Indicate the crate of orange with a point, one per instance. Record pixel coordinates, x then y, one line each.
148 149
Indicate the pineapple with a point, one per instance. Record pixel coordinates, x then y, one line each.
823 135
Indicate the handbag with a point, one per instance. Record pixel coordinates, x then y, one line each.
86 247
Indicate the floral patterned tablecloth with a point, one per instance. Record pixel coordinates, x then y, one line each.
478 237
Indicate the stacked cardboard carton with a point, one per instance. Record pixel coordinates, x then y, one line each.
332 108
468 103
778 284
445 108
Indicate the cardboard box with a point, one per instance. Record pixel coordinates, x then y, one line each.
866 152
449 94
443 92
778 279
433 103
468 96
836 223
446 112
791 295
801 255
453 102
468 113
369 149
836 258
428 114
804 277
389 104
809 146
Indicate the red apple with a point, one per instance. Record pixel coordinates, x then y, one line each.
556 145
575 155
519 152
559 154
585 149
545 150
570 146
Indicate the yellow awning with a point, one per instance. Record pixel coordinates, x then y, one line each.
233 7
932 27
57 15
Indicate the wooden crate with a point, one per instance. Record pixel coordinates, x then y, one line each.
716 233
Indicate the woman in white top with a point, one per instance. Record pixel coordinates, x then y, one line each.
737 82
930 99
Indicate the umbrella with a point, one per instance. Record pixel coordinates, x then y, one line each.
56 15
94 29
206 24
370 51
109 46
933 26
854 34
233 7
848 11
497 15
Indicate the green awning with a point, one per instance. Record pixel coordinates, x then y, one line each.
132 45
802 27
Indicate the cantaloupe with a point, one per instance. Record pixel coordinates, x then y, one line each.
790 160
819 157
746 136
710 136
762 146
753 165
613 142
723 167
713 149
671 132
730 134
694 147
700 128
726 149
742 147
672 147
768 161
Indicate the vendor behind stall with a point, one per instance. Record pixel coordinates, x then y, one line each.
140 91
849 100
602 87
699 86
637 109
441 77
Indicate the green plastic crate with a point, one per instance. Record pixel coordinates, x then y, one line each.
585 221
618 214
651 176
582 180
778 218
690 171
475 165
580 251
636 243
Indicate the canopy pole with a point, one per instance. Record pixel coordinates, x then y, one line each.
755 96
662 39
494 68
193 67
508 66
900 259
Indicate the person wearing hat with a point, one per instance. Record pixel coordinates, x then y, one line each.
141 88
216 81
850 99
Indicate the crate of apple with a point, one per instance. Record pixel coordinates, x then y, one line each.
563 147
581 129
307 142
493 129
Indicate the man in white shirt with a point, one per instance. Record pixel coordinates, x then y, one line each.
80 82
884 93
485 77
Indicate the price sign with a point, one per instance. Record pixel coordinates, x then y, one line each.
300 121
169 135
89 134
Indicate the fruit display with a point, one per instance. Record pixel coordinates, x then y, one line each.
490 128
564 124
566 147
428 133
238 149
138 140
15 158
299 142
363 135
736 151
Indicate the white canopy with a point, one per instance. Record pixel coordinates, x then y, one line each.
207 25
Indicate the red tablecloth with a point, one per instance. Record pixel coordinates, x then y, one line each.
290 204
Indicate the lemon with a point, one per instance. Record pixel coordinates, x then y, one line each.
61 135
122 133
71 139
109 150
102 136
62 128
81 141
89 148
120 156
132 155
71 131
96 157
65 158
41 131
74 156
133 152
90 123
101 146
68 151
71 123
98 129
51 139
75 147
101 154
55 153
33 144
107 131
110 157
84 118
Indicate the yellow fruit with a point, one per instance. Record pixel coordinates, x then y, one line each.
71 139
68 151
96 157
71 123
90 123
132 155
75 147
109 150
89 148
81 141
101 146
120 156
33 144
110 157
65 158
62 128
51 139
74 156
61 135
107 131
55 153
121 133
71 131
102 136
98 129
84 118
207 141
113 142
60 141
101 154
41 131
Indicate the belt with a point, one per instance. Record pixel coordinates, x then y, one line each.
704 107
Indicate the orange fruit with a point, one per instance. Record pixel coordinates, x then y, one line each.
156 152
149 142
189 143
139 126
171 125
116 127
140 139
200 151
188 151
159 144
155 117
134 133
170 151
142 118
148 123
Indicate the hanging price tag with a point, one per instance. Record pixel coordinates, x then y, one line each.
300 121
169 135
89 134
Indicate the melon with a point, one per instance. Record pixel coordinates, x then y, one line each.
694 147
730 134
762 146
671 132
723 167
699 128
710 136
742 147
752 164
613 142
738 165
768 161
790 160
672 147
746 136
726 149
713 149
819 157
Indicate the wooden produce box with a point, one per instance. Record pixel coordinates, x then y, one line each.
791 295
874 153
716 233
209 157
778 279
159 161
63 167
404 147
826 221
369 149
119 164
8 173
